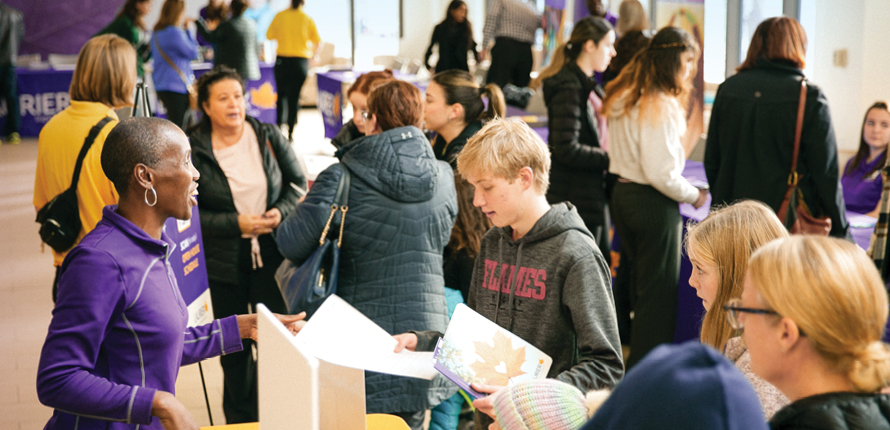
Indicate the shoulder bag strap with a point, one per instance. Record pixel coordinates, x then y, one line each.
170 62
798 129
87 143
342 190
345 181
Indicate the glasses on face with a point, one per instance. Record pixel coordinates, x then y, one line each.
366 116
734 307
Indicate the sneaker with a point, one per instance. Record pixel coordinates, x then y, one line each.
14 139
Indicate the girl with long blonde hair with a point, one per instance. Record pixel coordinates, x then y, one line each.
646 122
719 248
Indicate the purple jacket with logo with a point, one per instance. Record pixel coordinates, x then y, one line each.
118 332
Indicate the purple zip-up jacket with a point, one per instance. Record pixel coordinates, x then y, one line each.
118 332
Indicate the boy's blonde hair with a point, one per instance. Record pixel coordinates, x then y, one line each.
832 291
503 147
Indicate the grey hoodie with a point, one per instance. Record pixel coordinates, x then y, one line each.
561 301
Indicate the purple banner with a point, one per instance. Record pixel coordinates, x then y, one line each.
62 27
44 93
189 267
330 100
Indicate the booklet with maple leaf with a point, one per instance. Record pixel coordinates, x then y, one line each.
476 350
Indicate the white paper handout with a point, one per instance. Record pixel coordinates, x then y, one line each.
338 333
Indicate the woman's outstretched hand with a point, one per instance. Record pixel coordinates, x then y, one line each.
248 329
172 413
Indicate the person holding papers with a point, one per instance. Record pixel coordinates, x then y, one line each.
401 211
119 330
539 273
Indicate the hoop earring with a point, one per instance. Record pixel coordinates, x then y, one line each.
153 192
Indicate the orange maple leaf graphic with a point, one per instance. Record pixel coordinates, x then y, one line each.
264 96
500 361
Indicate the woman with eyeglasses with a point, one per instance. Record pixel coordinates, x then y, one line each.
718 249
358 96
813 311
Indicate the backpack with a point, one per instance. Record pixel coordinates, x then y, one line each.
59 219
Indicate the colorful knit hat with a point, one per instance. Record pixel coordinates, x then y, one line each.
541 404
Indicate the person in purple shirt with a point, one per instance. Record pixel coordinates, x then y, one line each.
862 182
118 334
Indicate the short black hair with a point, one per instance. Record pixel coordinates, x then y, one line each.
133 141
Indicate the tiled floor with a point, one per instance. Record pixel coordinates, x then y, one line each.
26 277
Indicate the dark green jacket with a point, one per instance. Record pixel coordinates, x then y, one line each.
123 26
235 45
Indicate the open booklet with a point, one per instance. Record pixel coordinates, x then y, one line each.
476 350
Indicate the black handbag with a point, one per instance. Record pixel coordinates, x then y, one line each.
60 217
306 287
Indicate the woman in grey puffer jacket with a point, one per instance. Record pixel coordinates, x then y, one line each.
402 206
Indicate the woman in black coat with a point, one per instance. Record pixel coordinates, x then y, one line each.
454 36
579 161
245 190
751 134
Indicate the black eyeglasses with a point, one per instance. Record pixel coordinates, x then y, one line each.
733 308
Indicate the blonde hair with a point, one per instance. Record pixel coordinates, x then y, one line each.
502 148
105 72
832 291
726 239
631 17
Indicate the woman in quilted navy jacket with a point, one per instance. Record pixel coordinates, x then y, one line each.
402 206
577 135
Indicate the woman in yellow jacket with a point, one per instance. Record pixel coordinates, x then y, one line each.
103 81
298 41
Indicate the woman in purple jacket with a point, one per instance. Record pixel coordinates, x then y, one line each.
118 334
862 181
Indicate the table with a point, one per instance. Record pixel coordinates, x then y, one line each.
44 93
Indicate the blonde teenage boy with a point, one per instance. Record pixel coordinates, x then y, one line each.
539 272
